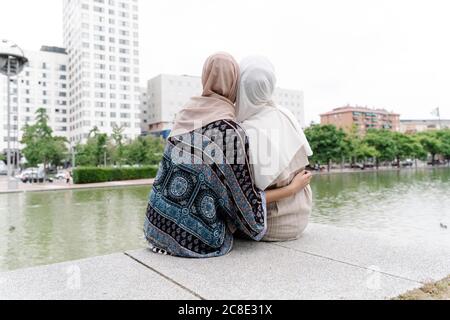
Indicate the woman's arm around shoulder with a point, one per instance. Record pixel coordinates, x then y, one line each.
300 182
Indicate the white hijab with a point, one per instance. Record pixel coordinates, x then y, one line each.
275 136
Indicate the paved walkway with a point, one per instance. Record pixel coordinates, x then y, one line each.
326 263
60 185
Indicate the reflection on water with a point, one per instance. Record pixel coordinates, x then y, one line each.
59 226
405 203
44 228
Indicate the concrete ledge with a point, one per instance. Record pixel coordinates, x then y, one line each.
266 272
326 263
109 277
419 260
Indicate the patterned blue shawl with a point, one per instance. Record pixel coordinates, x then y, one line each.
203 193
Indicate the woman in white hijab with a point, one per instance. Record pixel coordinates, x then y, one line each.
278 148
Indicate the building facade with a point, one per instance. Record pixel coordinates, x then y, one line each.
414 126
292 100
102 42
144 110
42 84
362 117
167 94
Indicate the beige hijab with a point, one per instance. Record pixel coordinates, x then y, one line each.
220 83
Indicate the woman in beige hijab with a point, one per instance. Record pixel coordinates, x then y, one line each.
204 190
220 79
278 148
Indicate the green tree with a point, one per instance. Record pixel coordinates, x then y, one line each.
363 151
418 151
31 150
116 148
144 151
155 150
94 132
444 138
135 152
40 144
85 154
327 142
59 151
431 144
356 147
95 151
141 151
404 146
351 142
101 153
382 141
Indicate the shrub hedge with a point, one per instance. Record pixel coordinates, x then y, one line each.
94 175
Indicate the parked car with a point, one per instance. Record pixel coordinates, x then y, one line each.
61 175
316 167
436 162
407 163
26 174
357 166
33 175
3 169
394 163
52 170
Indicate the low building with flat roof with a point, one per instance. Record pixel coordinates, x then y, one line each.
363 118
421 125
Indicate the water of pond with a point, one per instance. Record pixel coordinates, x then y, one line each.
50 227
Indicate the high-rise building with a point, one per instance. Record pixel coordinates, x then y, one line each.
102 42
167 94
362 117
42 84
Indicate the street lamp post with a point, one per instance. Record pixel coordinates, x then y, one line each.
73 153
437 113
8 122
12 62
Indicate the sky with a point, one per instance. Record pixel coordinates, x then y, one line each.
384 54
